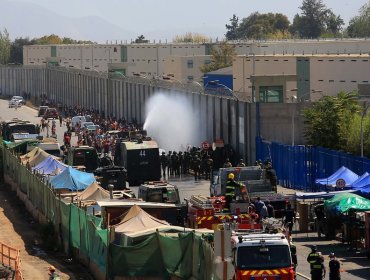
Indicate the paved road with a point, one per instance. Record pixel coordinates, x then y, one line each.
354 264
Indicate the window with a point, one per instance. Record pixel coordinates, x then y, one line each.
190 63
271 94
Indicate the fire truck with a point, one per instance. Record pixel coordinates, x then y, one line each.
207 212
252 255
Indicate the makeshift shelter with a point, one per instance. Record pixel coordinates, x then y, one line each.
135 220
342 173
49 166
72 180
361 180
34 157
342 203
93 192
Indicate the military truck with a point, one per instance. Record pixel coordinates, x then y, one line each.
141 160
83 156
159 191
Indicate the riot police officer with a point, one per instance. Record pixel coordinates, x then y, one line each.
164 163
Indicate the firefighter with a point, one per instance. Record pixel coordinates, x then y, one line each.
334 267
318 269
230 191
313 257
209 167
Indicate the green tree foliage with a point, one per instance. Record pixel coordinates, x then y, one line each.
262 26
359 26
141 39
16 50
315 21
328 122
66 40
4 47
190 37
232 29
222 56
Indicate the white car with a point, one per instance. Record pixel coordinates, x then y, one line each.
20 98
15 103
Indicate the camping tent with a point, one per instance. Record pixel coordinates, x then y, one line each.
342 173
72 179
364 179
136 219
34 157
93 192
344 202
49 165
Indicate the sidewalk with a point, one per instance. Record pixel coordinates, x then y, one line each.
355 264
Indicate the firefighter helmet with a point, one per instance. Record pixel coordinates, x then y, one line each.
231 176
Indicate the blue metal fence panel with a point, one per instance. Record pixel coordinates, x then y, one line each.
298 167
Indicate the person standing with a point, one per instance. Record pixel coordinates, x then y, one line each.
312 257
334 267
164 163
230 191
318 270
320 219
227 163
289 218
270 209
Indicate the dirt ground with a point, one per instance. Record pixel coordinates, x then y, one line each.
19 230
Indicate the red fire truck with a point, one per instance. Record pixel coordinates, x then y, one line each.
206 212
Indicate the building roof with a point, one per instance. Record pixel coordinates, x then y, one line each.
142 204
308 55
222 71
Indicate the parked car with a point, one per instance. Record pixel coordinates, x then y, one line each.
51 113
14 103
20 98
77 119
42 110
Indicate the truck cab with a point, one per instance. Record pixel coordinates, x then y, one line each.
83 156
260 256
159 192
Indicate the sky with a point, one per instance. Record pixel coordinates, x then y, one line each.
207 17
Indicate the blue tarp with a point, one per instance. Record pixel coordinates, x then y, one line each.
72 179
342 173
363 180
49 165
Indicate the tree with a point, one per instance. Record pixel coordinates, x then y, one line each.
67 40
190 37
49 40
359 26
4 47
222 56
333 23
16 50
312 21
232 29
141 39
328 122
263 26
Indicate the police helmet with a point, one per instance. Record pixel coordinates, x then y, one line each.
331 255
231 176
314 248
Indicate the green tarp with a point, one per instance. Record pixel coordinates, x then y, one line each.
342 203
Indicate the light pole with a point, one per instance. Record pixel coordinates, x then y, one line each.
362 131
294 104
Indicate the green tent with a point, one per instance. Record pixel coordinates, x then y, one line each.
346 201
